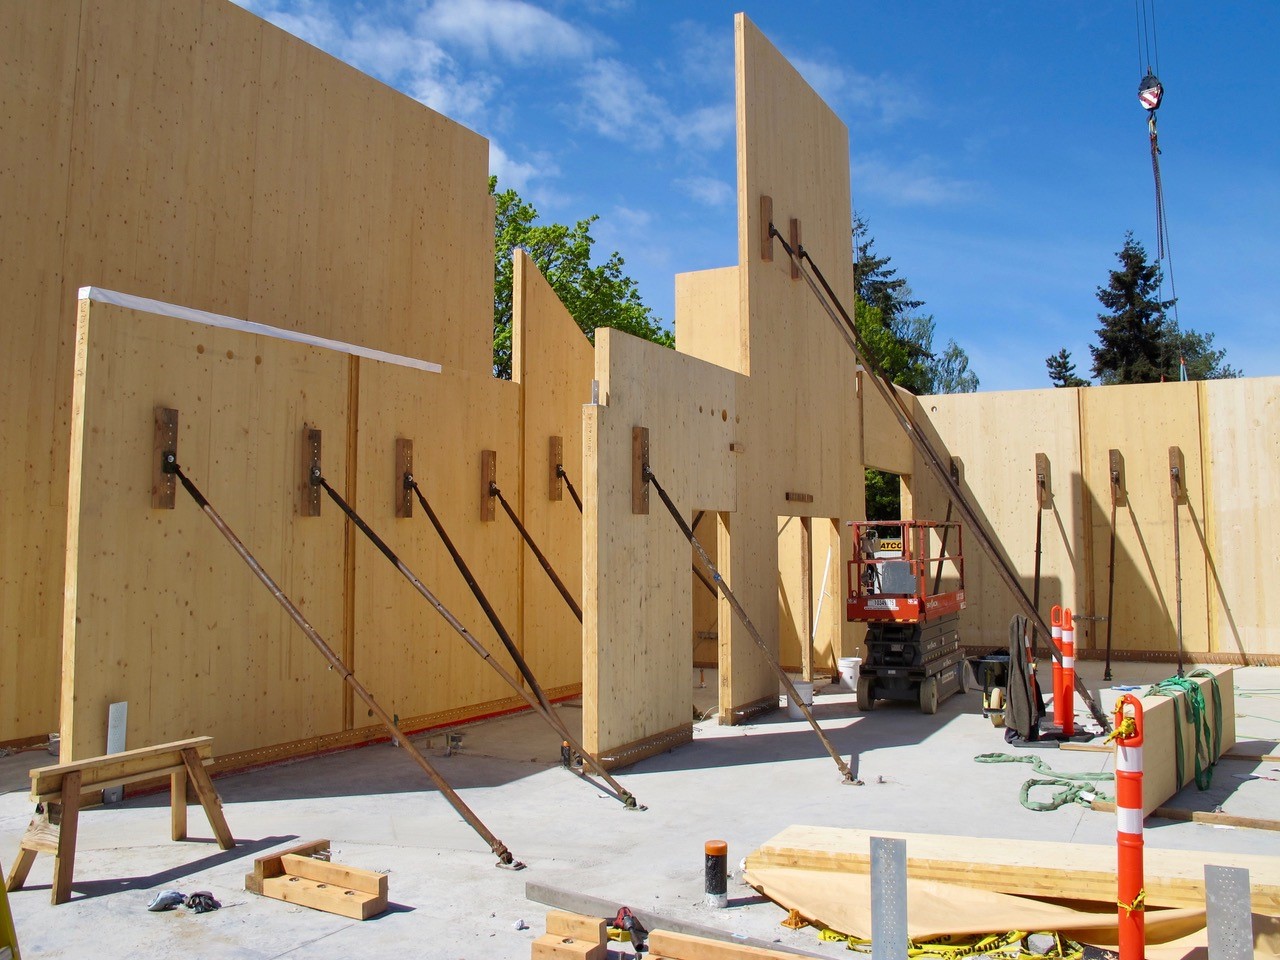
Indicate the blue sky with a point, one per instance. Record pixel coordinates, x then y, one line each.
998 149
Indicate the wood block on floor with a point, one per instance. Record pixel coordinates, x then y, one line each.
681 946
551 946
322 896
575 925
295 876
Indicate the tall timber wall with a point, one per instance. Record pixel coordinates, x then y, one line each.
187 152
1228 513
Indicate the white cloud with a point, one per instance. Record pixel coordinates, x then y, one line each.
707 190
517 174
617 104
632 219
518 31
915 182
707 127
883 96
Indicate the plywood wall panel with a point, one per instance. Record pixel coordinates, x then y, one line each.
187 151
799 405
553 363
996 437
637 657
37 84
1142 422
160 611
708 317
405 652
885 445
1242 446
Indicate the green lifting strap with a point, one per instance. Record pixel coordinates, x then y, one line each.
1208 743
1072 786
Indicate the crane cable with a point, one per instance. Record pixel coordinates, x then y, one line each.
1150 95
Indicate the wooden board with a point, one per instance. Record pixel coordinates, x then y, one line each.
885 445
1160 779
191 152
783 393
565 924
553 362
37 84
1227 432
682 946
99 772
553 946
1172 878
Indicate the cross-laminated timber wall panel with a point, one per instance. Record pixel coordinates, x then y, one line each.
998 473
1240 420
159 612
783 382
638 596
1226 431
553 362
799 407
186 150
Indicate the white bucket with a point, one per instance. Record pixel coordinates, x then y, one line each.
849 668
805 690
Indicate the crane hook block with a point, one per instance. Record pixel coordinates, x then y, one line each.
1150 92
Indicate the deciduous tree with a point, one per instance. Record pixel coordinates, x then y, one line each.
596 295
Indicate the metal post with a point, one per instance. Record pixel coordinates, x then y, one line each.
1227 913
888 898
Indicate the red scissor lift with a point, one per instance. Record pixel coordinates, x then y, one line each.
912 606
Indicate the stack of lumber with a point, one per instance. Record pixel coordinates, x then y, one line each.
1173 878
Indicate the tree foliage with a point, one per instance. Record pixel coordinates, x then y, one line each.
900 341
1138 342
1062 370
1131 337
595 295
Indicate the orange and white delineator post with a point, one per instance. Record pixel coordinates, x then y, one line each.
1055 630
1130 898
1068 692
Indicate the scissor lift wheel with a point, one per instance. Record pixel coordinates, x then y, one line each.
929 695
866 701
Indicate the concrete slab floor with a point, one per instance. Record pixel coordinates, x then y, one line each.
740 784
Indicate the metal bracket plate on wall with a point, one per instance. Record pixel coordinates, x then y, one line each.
795 245
1115 468
555 458
766 221
404 465
164 485
309 505
1177 475
1044 482
639 464
488 477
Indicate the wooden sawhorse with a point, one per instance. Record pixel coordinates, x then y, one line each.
57 792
